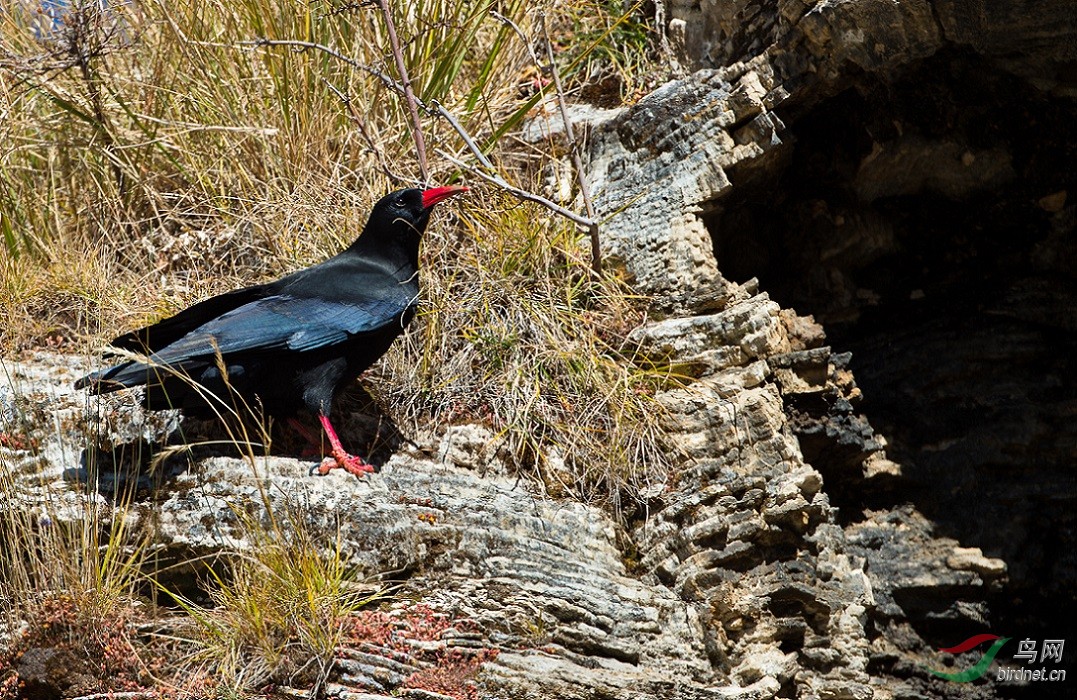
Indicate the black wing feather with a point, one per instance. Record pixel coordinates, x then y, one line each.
279 322
165 332
294 324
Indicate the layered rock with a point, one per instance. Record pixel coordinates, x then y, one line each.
859 158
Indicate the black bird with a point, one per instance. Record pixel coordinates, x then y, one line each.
292 343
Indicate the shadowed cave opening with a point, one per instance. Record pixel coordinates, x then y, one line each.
928 223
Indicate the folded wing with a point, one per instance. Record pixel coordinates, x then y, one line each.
274 324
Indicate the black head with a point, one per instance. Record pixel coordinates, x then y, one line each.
399 218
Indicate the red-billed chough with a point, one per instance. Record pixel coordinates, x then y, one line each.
292 343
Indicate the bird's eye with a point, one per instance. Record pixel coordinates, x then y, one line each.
399 203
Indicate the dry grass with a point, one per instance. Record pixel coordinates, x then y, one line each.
179 159
151 159
70 571
282 612
515 333
95 562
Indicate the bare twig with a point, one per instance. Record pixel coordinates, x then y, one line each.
386 80
520 33
516 191
436 109
409 94
356 119
577 162
402 88
471 145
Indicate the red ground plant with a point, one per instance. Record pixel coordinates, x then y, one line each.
62 653
454 670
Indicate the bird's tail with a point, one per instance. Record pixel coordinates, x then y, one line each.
121 376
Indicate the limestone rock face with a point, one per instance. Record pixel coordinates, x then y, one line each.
654 165
855 161
1033 39
544 581
483 547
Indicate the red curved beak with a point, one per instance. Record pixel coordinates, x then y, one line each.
435 194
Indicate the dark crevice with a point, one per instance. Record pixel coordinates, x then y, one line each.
928 224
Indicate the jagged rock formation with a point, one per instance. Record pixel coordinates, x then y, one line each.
898 170
543 581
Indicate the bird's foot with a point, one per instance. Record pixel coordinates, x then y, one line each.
349 463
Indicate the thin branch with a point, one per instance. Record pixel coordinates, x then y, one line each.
520 33
386 80
522 194
409 94
435 110
471 145
577 161
356 119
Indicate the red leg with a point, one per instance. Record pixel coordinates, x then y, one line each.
340 459
308 434
314 442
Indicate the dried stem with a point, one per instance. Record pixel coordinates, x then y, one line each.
329 50
409 94
436 109
516 191
356 119
577 161
520 33
471 145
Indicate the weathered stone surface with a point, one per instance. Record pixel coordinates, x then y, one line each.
501 555
913 165
1037 40
461 535
746 531
1033 39
746 583
744 331
912 99
653 165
